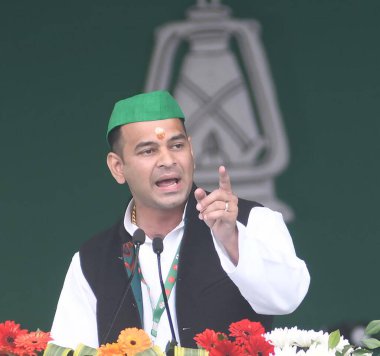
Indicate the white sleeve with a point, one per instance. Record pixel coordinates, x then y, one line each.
269 275
75 317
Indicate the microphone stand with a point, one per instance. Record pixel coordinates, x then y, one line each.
158 247
138 239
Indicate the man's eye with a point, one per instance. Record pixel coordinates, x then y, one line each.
146 152
177 146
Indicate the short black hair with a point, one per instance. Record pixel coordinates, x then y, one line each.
114 140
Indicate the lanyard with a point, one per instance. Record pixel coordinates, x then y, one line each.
169 284
128 252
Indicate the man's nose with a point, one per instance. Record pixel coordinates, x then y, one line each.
166 158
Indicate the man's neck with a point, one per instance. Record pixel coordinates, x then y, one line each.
157 222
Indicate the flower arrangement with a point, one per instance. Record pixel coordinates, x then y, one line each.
307 342
249 338
130 342
17 341
293 341
246 338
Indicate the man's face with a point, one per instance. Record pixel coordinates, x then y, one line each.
157 163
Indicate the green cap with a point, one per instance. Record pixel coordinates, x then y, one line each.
156 105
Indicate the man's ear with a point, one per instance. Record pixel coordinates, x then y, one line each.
115 165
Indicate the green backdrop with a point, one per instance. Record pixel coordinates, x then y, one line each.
64 64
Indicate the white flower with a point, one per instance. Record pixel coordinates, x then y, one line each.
294 342
295 337
306 338
286 351
319 350
280 337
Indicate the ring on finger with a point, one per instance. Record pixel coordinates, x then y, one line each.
226 207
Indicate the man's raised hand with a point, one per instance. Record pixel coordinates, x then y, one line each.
219 211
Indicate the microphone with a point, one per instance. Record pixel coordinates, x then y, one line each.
138 239
158 247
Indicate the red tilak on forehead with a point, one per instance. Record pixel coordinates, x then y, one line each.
160 133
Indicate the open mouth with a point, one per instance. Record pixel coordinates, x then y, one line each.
167 182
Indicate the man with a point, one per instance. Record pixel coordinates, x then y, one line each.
225 258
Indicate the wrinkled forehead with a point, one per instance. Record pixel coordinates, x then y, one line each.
153 130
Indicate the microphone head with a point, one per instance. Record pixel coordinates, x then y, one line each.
138 237
158 245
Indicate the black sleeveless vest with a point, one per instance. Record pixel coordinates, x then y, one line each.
205 295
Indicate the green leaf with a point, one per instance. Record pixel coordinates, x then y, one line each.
221 336
55 350
361 352
334 338
371 343
83 350
178 351
373 327
149 352
183 351
346 348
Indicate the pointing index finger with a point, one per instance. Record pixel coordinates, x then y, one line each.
224 179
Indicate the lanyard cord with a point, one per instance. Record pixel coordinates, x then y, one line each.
165 298
169 284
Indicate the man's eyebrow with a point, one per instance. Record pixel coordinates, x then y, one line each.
180 136
145 144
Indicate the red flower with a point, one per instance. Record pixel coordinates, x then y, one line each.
34 341
249 340
9 331
256 345
208 339
243 329
225 348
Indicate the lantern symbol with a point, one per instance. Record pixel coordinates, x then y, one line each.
225 89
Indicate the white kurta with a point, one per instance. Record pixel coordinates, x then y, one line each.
269 275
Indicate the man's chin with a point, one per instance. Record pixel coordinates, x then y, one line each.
172 200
